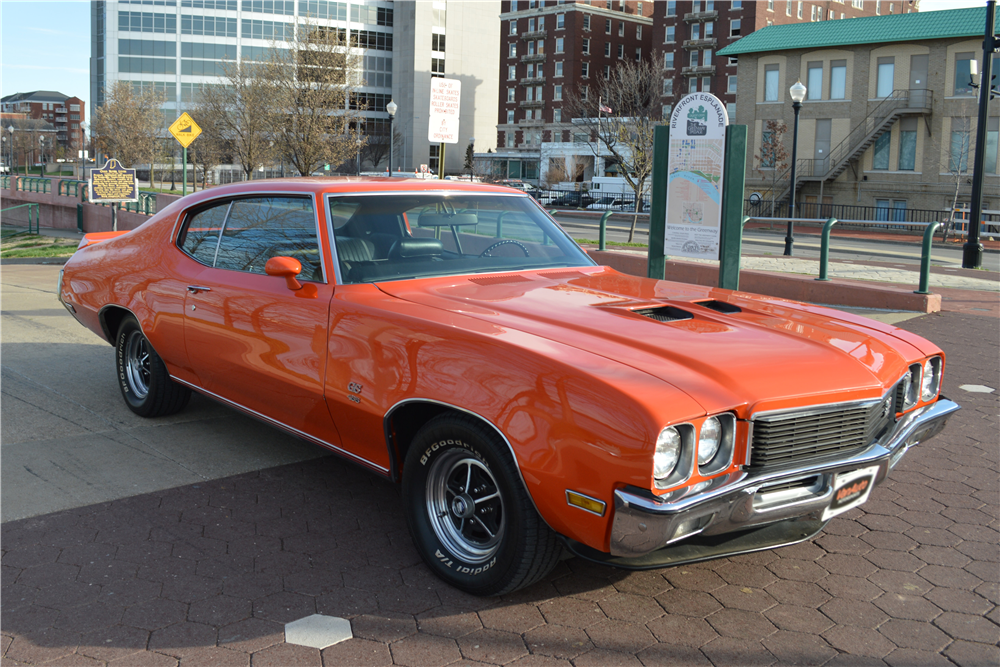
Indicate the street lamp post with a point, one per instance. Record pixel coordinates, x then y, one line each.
41 154
972 251
798 93
391 108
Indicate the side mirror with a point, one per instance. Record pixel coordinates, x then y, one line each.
287 268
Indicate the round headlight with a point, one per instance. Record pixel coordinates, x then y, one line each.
668 452
931 380
709 439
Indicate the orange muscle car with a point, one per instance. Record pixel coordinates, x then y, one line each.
453 338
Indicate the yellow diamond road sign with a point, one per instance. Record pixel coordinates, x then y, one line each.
185 130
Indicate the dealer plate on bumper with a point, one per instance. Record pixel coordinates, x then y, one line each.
850 489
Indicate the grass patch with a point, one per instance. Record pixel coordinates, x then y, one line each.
612 243
163 190
33 245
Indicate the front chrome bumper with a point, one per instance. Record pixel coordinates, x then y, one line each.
644 522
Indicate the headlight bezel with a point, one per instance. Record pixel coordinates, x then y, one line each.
910 387
684 467
932 383
723 457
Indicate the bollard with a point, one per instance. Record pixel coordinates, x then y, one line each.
79 218
824 250
603 238
499 230
925 257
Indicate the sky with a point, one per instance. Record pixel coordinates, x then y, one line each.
45 44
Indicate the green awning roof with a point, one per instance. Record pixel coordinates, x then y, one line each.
916 26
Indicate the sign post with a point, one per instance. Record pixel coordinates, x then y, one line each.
731 241
113 184
695 180
442 126
185 130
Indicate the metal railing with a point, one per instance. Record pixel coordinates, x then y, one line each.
5 182
31 207
68 188
894 218
34 184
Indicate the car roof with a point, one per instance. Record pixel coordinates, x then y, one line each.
351 184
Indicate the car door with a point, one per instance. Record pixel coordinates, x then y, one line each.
250 338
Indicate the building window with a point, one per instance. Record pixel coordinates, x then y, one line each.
584 92
510 94
737 4
798 10
607 50
732 84
511 72
585 46
559 44
586 21
878 7
693 85
886 74
557 93
693 59
621 28
812 12
512 51
668 60
531 25
731 110
668 86
908 144
538 93
666 110
638 54
671 7
770 83
963 64
992 136
733 62
559 68
607 72
510 116
638 32
814 81
513 27
958 158
541 23
880 157
767 148
607 26
788 7
669 34
437 42
706 84
734 28
585 70
696 31
621 51
541 46
709 29
557 115
838 79
706 57
437 67
531 48
832 15
770 5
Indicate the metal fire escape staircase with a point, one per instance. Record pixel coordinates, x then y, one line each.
878 121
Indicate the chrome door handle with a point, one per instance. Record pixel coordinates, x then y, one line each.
194 289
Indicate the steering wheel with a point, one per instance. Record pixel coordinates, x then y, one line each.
486 253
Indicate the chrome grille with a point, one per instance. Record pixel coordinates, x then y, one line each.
791 437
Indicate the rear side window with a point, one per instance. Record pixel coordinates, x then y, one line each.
243 234
202 234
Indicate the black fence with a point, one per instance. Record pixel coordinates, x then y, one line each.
593 200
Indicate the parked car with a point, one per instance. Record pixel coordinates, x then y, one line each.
617 204
452 338
573 200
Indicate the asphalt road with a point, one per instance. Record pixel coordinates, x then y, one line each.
192 540
757 242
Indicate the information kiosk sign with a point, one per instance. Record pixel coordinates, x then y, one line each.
113 183
694 183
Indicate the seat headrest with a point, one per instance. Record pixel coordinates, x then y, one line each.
409 248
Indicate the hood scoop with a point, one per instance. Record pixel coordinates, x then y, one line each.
508 279
665 314
720 306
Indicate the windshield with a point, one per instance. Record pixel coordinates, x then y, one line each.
398 236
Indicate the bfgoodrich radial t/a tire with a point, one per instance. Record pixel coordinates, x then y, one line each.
142 378
468 512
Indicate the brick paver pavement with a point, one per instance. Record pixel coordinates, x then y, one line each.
208 574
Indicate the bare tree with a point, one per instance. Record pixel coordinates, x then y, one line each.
956 152
128 124
241 113
314 81
622 113
376 147
209 149
772 158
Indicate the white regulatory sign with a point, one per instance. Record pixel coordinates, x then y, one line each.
446 100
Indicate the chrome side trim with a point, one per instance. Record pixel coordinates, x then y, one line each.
827 407
285 427
517 463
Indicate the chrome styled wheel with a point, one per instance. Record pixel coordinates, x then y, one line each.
137 370
465 506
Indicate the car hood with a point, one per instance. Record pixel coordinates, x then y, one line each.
766 353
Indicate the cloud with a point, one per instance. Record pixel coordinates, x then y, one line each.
74 70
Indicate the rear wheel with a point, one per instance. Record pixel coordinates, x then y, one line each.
142 378
468 512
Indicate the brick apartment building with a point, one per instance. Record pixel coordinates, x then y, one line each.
66 114
554 48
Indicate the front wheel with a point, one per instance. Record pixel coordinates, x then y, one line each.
468 512
143 379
